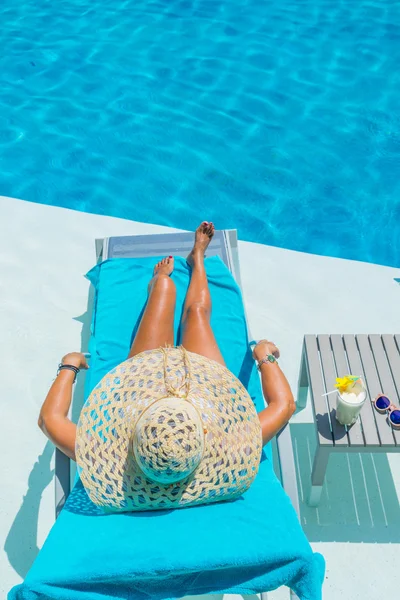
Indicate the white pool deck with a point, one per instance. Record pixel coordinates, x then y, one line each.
43 314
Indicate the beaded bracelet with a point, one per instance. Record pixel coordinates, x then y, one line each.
62 367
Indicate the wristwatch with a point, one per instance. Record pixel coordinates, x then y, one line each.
270 358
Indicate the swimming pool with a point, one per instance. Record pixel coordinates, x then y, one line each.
278 118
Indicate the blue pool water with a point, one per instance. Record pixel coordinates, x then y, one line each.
278 118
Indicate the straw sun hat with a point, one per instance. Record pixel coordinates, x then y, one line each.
166 429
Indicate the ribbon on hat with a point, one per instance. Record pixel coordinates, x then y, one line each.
177 391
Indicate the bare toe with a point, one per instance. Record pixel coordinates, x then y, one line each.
202 239
165 266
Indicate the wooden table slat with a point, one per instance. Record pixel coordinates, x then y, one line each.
355 432
374 387
384 373
329 373
367 412
317 389
393 355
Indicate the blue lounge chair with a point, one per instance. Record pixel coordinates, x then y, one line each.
252 545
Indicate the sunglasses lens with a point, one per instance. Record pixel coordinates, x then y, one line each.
395 417
382 403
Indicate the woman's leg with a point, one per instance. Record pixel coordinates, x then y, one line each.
157 324
197 335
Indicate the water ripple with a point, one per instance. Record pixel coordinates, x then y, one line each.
281 119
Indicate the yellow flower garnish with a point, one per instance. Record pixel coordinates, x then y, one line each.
342 383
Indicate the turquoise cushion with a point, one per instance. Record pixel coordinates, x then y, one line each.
251 545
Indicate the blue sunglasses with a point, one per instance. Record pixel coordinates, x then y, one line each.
384 406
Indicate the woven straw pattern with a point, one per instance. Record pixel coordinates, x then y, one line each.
168 440
107 425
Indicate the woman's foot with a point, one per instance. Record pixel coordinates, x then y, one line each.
202 238
165 266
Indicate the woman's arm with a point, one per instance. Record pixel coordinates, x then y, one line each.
277 393
53 418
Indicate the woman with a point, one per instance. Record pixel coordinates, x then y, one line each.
197 337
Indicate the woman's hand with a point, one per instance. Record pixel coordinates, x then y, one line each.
263 348
53 419
76 359
276 390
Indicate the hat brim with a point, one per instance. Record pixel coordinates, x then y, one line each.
232 441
